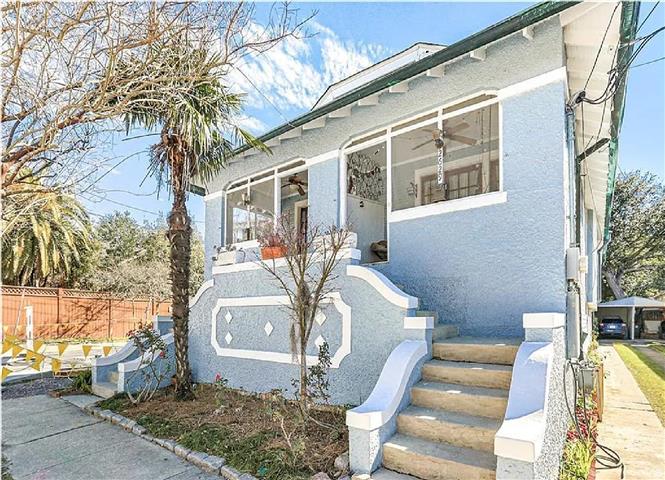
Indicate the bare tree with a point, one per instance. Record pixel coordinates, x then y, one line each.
65 77
307 277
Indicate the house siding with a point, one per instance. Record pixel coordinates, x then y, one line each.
483 268
479 268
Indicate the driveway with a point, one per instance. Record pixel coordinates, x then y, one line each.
45 438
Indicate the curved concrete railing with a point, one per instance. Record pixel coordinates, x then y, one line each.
125 369
383 285
371 423
523 430
529 443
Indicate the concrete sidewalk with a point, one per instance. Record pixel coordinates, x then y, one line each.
45 438
629 426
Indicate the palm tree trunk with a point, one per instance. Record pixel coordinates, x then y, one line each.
179 240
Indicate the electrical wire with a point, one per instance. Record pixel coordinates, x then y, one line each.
649 62
647 17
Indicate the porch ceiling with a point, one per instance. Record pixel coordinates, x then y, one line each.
591 36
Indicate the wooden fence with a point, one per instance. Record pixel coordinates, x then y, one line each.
65 313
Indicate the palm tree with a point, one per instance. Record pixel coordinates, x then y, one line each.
46 237
194 119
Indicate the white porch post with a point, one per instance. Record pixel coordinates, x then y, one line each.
632 323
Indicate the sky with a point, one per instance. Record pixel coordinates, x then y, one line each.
346 37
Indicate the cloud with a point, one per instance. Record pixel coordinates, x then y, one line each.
295 73
251 124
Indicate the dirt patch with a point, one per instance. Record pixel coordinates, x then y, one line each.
264 435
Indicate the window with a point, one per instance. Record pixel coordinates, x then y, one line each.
470 158
253 202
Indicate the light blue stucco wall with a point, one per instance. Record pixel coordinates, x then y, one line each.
373 317
479 268
483 268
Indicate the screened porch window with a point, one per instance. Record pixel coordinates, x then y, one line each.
470 159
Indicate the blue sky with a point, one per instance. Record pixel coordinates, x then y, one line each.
350 36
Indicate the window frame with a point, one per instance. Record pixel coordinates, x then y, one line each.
391 132
245 183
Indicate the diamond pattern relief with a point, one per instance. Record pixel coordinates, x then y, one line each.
228 338
268 328
228 316
319 341
320 317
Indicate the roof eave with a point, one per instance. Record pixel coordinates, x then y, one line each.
508 26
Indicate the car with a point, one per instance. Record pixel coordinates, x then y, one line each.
612 327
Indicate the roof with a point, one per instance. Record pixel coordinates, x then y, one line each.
415 52
639 302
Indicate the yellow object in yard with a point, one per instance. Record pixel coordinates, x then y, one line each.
37 344
61 348
106 349
55 365
38 361
5 372
86 350
6 345
29 355
16 349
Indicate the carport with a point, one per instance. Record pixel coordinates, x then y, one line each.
625 308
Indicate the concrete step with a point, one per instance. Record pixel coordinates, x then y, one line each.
455 428
104 389
383 474
478 350
442 332
437 461
481 401
113 377
465 373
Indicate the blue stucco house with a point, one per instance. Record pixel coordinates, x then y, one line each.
478 190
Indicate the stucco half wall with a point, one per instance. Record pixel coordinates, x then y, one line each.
250 342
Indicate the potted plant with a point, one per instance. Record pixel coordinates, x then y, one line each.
271 242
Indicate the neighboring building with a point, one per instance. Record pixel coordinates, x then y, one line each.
497 234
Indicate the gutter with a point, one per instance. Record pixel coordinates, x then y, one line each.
510 25
630 13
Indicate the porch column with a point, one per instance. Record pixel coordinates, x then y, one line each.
632 323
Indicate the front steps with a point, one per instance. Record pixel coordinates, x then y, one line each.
106 389
447 433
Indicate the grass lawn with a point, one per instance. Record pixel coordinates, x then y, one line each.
259 434
649 376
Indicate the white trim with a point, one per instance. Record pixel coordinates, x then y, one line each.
116 357
212 196
322 158
553 76
140 362
457 205
352 253
278 357
522 432
543 320
382 285
383 402
419 323
204 286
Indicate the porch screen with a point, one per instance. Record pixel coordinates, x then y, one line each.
247 209
470 161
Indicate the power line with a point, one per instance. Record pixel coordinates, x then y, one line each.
647 17
600 48
648 63
126 205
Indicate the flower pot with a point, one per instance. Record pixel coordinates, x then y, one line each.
268 253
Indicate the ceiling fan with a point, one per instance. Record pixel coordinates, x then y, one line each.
295 181
448 133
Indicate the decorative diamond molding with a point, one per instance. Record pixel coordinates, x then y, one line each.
268 328
228 338
320 317
228 316
319 341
